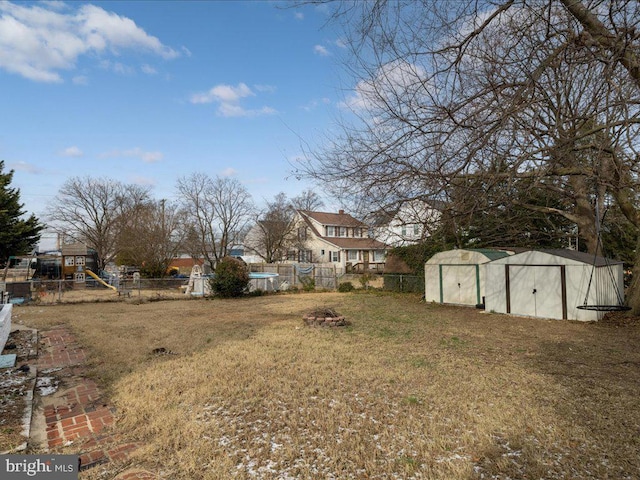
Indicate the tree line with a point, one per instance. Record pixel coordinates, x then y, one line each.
124 224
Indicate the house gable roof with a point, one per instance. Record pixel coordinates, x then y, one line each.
341 220
334 219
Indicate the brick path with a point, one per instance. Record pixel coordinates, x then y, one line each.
78 415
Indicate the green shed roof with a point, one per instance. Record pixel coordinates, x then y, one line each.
490 253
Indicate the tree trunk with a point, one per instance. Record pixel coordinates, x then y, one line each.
633 292
584 214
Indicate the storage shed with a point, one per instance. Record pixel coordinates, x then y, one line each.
458 276
552 284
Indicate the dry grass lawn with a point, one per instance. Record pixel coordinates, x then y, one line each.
408 390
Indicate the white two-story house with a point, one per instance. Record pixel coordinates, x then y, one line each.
411 223
337 238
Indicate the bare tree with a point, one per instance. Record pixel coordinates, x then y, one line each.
153 238
95 211
307 200
218 212
500 91
274 232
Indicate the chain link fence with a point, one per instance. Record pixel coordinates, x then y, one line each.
289 277
403 283
67 291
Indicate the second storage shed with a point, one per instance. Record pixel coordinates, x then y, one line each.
552 284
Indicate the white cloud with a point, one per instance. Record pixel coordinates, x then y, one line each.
232 110
320 50
315 103
229 172
148 69
117 67
137 152
80 80
299 16
228 99
266 88
38 41
72 151
393 79
341 43
144 181
223 93
24 167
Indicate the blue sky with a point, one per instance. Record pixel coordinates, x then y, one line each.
145 92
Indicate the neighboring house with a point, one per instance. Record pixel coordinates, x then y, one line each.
337 238
412 222
319 237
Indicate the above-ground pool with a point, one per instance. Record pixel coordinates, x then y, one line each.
265 281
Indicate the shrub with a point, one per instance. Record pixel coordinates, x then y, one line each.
308 283
231 278
345 287
364 280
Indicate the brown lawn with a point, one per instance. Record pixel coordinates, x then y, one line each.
408 390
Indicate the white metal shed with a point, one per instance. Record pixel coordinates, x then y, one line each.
458 276
552 284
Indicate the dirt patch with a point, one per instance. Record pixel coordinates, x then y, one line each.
620 319
16 390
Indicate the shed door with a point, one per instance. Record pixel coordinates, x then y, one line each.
536 291
459 284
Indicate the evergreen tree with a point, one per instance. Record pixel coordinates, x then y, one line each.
18 235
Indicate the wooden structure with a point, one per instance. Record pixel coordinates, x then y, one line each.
74 262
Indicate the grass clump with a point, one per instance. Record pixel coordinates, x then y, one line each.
345 287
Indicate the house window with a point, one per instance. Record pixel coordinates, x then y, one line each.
331 232
352 255
416 229
342 231
304 256
378 255
302 233
335 256
404 231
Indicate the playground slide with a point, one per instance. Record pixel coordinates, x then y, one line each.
91 274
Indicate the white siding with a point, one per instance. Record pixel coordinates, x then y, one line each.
455 276
560 286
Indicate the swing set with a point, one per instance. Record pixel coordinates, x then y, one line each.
605 307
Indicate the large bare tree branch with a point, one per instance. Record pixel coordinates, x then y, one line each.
626 54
